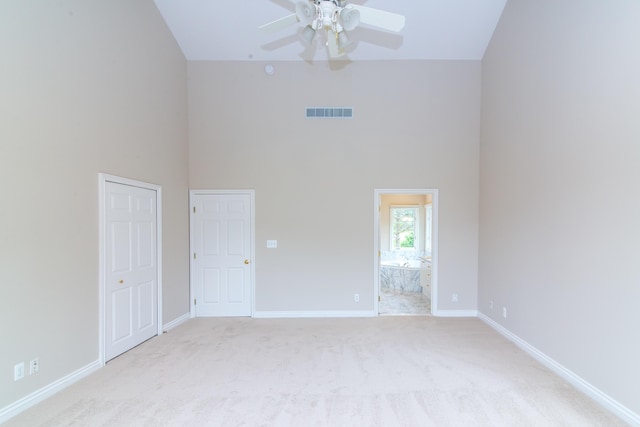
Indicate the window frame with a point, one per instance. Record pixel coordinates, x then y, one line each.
416 228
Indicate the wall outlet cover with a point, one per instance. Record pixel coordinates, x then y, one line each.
34 366
18 371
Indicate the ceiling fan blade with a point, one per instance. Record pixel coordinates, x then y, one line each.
380 18
332 45
279 24
287 4
280 43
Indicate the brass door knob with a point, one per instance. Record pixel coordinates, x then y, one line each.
246 261
121 281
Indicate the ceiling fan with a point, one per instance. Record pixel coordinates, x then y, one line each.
335 17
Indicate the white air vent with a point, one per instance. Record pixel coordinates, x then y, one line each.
329 113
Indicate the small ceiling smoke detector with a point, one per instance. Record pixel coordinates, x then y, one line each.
269 69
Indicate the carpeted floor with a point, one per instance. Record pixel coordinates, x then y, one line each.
384 371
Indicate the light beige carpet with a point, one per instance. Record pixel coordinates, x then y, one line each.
385 371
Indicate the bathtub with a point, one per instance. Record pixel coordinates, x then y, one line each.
401 275
410 264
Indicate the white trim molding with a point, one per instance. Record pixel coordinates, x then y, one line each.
377 201
456 313
593 392
49 390
293 314
176 322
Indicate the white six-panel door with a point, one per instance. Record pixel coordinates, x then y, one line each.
131 282
221 259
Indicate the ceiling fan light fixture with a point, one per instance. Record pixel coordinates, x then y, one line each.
349 18
336 18
305 12
343 40
307 34
335 51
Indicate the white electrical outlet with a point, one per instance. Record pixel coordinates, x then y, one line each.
454 297
356 297
34 366
504 312
18 371
491 305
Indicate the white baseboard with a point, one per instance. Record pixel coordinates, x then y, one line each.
456 313
311 314
596 394
37 396
28 401
176 322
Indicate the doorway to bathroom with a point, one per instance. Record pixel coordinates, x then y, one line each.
405 237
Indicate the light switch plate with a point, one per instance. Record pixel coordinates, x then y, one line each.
18 371
272 244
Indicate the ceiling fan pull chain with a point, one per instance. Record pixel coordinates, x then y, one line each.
334 22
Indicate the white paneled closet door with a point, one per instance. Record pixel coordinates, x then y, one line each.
131 279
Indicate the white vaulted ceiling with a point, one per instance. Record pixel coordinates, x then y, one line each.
228 30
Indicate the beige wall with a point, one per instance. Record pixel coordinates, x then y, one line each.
86 87
560 103
560 203
416 125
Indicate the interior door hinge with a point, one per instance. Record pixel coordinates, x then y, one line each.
194 255
378 298
194 301
194 209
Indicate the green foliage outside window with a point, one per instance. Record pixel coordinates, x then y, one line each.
403 227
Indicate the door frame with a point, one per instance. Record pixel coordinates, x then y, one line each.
252 241
376 243
103 178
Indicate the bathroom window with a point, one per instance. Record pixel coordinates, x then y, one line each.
404 223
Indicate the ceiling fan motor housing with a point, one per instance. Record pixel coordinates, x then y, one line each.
339 3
